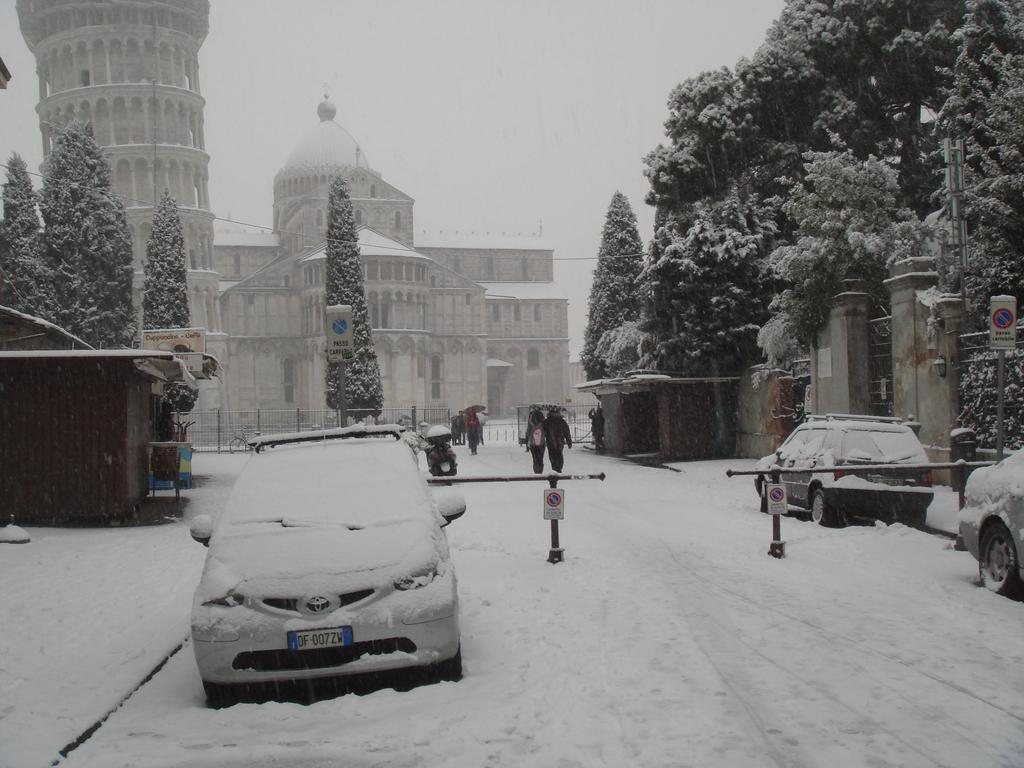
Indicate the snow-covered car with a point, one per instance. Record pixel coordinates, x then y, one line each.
992 524
328 561
842 440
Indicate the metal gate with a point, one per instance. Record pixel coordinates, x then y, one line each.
880 366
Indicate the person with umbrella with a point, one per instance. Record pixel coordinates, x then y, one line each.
472 430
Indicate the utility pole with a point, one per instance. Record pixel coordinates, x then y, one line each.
953 152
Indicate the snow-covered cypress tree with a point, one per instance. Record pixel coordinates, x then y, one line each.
615 294
710 281
23 282
87 243
165 291
345 286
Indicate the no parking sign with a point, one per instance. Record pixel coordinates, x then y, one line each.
1002 322
554 504
776 500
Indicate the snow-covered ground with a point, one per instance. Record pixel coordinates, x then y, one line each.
668 637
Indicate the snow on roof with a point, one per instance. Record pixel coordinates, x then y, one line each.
372 243
482 241
528 290
259 238
45 324
161 365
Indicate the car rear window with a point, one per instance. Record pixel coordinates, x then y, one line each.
883 446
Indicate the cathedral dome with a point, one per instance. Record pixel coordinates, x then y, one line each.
326 146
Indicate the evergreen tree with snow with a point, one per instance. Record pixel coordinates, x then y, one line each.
165 290
344 280
984 109
708 286
615 294
850 224
23 279
87 245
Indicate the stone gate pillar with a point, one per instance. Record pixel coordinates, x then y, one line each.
917 341
839 364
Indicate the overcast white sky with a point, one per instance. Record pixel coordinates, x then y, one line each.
494 115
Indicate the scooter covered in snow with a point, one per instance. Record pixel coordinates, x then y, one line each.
440 456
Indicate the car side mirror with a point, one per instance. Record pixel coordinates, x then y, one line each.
201 529
452 506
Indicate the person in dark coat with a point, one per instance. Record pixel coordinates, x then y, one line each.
165 428
556 436
535 439
597 428
458 427
472 430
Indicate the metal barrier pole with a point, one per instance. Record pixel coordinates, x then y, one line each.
777 549
218 430
556 554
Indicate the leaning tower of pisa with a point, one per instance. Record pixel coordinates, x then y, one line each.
130 68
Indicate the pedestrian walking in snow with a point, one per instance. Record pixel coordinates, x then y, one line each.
535 439
556 436
597 428
472 430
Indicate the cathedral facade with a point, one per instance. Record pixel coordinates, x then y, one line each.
457 320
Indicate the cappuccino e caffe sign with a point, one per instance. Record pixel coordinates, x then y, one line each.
338 326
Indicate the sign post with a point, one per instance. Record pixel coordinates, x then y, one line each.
340 349
1002 335
554 510
775 492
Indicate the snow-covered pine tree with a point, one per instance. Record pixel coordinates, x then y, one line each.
344 279
615 294
164 290
849 225
984 110
87 244
23 280
710 282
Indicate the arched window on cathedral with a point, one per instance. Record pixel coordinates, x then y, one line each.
238 264
373 190
533 358
435 377
398 219
489 268
524 268
288 379
359 217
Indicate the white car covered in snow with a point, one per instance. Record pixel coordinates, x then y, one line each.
843 441
992 524
328 563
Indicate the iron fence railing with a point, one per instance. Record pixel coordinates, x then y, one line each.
214 430
880 366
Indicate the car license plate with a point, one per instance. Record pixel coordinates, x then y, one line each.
328 637
885 479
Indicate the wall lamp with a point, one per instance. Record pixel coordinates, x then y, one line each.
940 366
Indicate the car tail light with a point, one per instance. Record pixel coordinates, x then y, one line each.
926 479
838 474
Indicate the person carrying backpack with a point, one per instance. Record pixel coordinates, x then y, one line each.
535 440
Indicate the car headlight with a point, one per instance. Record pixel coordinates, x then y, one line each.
417 579
230 600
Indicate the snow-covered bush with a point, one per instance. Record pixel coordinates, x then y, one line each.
978 394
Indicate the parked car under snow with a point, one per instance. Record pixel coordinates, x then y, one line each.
992 524
847 441
329 561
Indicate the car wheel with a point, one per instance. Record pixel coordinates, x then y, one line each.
998 563
821 512
219 695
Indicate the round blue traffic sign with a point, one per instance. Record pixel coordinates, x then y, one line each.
776 495
554 499
1002 318
339 326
